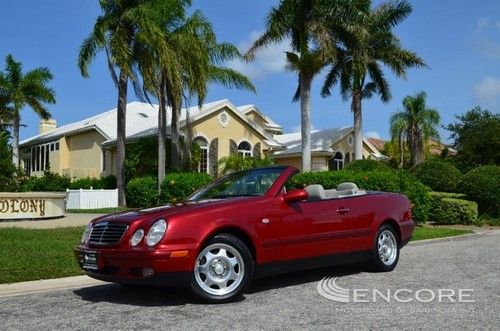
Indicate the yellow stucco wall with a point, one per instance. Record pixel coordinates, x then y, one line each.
237 130
82 155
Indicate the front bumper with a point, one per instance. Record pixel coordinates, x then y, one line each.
128 266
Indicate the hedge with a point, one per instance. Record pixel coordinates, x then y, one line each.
49 182
438 175
453 211
142 192
482 185
178 186
107 183
388 181
367 165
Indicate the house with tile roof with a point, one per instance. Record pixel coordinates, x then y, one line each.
87 148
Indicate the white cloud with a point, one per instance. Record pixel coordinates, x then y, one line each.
268 60
488 90
482 23
373 134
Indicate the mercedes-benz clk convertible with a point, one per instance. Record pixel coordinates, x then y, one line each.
244 226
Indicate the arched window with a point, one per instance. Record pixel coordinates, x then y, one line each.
336 162
203 164
244 149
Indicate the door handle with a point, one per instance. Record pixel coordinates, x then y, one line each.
342 211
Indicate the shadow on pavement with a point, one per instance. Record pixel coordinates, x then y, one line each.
150 296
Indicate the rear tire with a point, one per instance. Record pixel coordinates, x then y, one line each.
223 270
385 252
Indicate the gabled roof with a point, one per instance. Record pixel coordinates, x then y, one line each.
249 108
321 142
142 120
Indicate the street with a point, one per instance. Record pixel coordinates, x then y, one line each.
292 301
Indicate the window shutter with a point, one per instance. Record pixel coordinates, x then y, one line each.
213 155
256 150
233 147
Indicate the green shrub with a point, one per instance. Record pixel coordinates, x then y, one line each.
178 186
49 182
438 175
237 162
142 192
388 181
453 211
109 182
449 195
367 165
86 183
482 185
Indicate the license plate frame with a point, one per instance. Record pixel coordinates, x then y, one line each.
90 260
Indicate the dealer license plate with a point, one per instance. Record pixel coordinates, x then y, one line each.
90 260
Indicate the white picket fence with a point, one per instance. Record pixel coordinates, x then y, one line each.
91 199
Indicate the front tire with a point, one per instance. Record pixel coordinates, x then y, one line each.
223 269
385 252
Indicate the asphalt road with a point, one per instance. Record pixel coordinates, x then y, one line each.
293 301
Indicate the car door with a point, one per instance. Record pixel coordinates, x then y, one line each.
312 228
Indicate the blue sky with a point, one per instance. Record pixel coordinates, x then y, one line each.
459 40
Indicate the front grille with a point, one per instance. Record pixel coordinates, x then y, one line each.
106 233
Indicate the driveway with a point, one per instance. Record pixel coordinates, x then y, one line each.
470 266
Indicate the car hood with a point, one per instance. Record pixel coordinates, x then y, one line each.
166 210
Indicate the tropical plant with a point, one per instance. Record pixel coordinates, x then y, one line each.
304 23
122 31
414 126
18 90
7 169
186 60
358 65
476 138
237 162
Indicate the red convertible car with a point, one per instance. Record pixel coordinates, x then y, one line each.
244 226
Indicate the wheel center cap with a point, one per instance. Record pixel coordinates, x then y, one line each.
219 269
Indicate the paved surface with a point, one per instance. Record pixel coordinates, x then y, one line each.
290 301
66 221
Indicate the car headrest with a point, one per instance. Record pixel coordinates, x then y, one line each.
347 186
316 192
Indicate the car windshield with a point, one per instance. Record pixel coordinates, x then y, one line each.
243 183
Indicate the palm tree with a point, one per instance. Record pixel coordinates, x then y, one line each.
301 21
120 31
358 67
19 90
415 125
187 60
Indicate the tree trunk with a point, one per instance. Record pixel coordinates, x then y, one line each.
188 142
162 131
401 150
414 147
358 125
121 138
15 139
305 119
420 149
175 135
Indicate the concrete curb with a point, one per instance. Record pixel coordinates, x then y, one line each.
454 238
47 285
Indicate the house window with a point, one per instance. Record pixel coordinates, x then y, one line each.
336 162
27 166
57 146
203 164
244 149
40 158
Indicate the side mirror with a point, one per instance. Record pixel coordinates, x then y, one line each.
295 196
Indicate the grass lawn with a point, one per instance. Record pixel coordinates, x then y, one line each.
28 254
422 233
97 211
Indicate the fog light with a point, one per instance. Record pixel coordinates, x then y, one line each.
148 272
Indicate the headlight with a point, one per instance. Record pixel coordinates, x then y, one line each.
137 237
156 232
86 233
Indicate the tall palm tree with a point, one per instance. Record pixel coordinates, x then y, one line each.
358 68
187 60
303 21
19 90
120 31
415 125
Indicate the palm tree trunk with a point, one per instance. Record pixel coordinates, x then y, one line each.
162 131
15 139
305 119
401 153
413 147
121 138
175 135
420 149
358 125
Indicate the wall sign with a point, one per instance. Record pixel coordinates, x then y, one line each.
32 205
